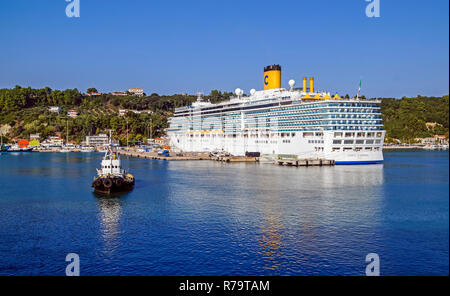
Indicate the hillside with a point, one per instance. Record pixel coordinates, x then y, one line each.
25 111
418 117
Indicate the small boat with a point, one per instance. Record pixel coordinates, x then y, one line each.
87 149
111 177
16 148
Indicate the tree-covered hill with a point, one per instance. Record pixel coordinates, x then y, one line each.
25 111
418 117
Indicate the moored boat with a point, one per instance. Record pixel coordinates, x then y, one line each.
16 148
275 122
87 149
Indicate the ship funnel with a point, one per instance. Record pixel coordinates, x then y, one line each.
272 77
311 84
304 84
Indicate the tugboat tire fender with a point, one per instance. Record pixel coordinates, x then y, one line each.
118 181
107 183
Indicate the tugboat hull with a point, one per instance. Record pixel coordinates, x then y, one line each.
109 185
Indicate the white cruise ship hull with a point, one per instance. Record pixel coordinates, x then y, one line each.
367 151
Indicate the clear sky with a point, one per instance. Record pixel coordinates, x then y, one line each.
189 46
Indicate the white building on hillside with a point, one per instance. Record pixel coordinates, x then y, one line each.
99 140
139 92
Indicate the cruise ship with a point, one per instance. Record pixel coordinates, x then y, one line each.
278 122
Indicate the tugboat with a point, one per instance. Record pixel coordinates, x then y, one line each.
111 178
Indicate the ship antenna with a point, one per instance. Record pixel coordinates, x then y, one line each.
199 96
109 151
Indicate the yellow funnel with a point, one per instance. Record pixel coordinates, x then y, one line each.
311 84
304 84
272 77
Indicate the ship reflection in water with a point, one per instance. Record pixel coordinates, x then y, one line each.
110 211
297 215
270 242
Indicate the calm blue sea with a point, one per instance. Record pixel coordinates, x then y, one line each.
210 218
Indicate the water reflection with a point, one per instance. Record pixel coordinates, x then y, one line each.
110 211
271 241
299 206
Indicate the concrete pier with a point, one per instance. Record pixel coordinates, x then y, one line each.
228 158
235 158
153 155
305 162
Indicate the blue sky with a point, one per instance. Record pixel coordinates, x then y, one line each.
189 46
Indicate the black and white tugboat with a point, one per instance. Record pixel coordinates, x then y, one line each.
111 177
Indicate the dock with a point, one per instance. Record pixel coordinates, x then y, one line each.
228 158
153 155
235 158
305 162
